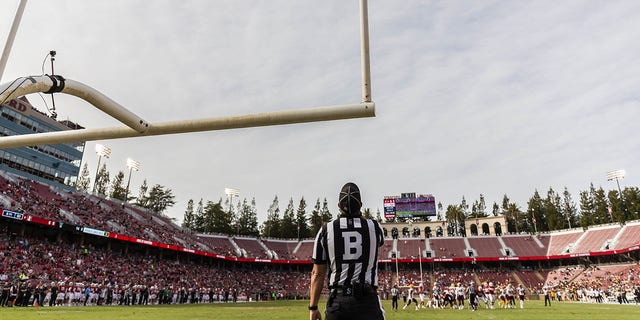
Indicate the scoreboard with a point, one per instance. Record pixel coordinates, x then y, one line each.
409 205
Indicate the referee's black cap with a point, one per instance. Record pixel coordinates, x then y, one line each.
349 200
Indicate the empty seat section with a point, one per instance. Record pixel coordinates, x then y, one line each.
252 247
448 247
525 245
486 246
561 240
628 237
595 239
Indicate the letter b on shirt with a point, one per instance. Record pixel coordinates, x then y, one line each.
352 245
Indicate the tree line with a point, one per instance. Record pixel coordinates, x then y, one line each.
552 210
156 198
242 218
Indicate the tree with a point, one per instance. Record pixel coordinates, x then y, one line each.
302 225
366 213
536 212
587 209
495 209
464 207
271 226
189 218
632 202
118 190
505 203
160 198
316 219
601 206
553 210
247 219
143 200
288 228
482 207
455 218
102 180
84 181
325 213
513 215
217 220
234 214
569 209
199 217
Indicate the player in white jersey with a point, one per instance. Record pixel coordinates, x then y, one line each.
436 300
510 292
521 295
411 298
421 298
459 292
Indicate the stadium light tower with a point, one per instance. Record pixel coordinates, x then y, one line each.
132 165
617 175
102 151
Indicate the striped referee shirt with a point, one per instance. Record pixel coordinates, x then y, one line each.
349 246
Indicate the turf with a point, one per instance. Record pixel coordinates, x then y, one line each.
297 310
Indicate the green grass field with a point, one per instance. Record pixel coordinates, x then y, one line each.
297 310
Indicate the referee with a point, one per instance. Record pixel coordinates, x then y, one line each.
346 253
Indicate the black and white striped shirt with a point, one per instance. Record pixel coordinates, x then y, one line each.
349 246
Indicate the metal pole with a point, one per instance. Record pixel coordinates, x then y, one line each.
624 207
397 273
420 261
11 36
95 181
364 51
126 194
195 125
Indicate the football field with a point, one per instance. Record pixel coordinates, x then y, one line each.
297 310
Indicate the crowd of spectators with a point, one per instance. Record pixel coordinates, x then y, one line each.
82 209
30 269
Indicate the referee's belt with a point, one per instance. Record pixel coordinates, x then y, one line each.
355 290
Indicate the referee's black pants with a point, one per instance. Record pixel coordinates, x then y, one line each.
341 307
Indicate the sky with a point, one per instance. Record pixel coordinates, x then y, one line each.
472 97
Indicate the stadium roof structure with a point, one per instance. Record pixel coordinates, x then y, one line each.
135 126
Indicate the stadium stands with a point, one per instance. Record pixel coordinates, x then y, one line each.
283 248
596 239
560 242
219 244
486 246
609 276
305 250
410 248
252 247
628 237
562 276
448 247
525 245
385 252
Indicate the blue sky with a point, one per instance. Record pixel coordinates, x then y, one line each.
488 97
